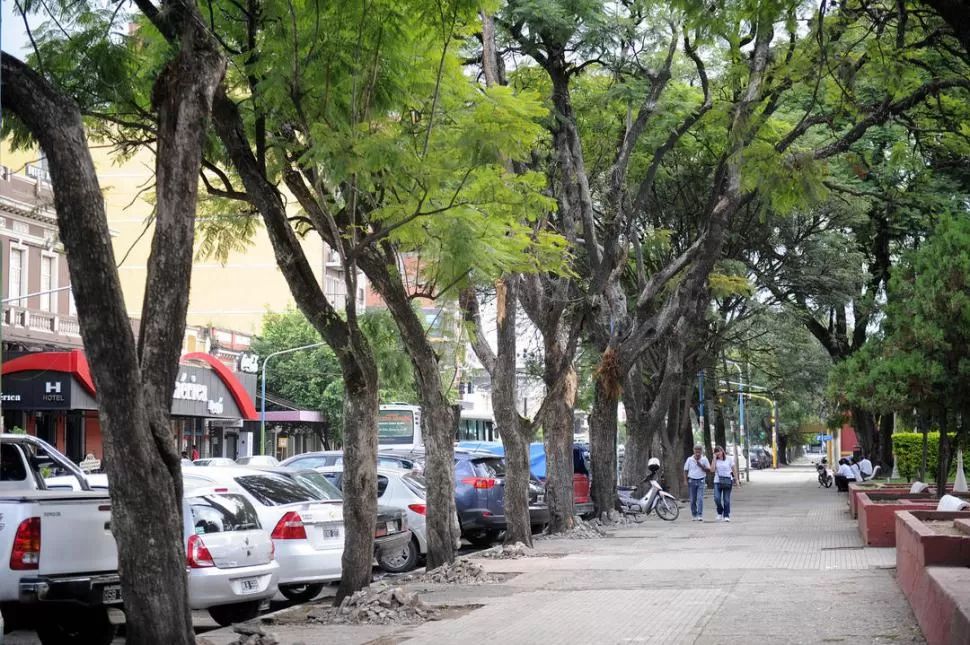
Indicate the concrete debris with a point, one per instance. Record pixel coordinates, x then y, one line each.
511 552
582 530
253 634
459 572
378 604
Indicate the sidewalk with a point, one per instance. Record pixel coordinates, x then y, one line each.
790 568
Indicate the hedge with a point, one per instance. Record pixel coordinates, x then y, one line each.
908 448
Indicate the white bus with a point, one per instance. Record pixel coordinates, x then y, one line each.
399 427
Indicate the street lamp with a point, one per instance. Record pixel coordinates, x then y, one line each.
262 403
747 465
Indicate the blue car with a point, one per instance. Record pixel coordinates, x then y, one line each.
480 496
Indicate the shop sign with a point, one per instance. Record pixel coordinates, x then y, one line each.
249 363
189 390
14 398
52 392
281 442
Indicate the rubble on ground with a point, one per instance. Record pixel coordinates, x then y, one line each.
511 552
252 634
381 604
581 530
459 572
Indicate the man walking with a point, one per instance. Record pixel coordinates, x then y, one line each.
695 474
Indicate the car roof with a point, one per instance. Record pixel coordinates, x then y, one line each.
283 470
226 473
388 472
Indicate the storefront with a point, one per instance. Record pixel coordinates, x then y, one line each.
51 395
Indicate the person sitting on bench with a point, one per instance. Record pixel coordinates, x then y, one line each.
844 476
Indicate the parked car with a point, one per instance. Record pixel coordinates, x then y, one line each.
406 491
58 572
759 458
336 458
582 503
230 559
308 533
229 574
391 533
214 461
480 497
257 460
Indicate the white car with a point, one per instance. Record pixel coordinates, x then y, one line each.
405 490
231 561
257 460
214 461
97 481
308 534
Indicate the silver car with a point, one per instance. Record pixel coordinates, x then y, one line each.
257 460
308 534
214 461
408 491
231 561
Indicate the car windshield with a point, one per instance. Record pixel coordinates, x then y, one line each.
318 484
489 467
222 513
275 490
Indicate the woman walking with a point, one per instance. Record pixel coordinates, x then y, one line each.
724 478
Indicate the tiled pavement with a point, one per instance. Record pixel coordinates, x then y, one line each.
790 568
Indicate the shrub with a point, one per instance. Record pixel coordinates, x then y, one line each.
908 448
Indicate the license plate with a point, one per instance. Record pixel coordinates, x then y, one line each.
249 585
331 532
540 499
111 594
392 527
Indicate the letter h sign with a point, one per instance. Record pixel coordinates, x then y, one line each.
52 388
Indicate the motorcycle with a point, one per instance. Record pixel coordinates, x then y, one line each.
655 500
825 478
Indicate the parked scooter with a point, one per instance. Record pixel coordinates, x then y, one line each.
655 499
825 478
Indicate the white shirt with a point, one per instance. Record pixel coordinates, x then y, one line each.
724 467
857 472
866 467
846 472
695 471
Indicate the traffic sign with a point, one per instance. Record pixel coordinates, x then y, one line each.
823 437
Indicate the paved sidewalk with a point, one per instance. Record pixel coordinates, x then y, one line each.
790 568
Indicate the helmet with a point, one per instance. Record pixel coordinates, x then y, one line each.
653 464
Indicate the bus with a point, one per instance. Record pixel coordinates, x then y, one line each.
399 427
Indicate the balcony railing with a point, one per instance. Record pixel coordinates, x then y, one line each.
44 322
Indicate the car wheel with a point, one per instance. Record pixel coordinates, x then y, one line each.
404 560
227 615
81 627
483 540
301 593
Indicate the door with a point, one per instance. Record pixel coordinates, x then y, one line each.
74 444
232 446
47 428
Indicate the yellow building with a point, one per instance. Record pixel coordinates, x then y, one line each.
231 296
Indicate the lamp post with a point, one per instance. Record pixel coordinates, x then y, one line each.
262 401
747 465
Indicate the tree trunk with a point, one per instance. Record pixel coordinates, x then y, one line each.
885 456
134 383
558 442
602 435
361 403
639 435
865 431
720 430
517 433
677 438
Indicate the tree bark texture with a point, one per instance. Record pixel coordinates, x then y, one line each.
885 455
361 403
440 416
602 436
557 425
134 388
639 436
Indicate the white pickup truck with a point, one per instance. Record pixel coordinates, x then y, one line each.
58 559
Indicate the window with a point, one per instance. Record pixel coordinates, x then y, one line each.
17 273
490 468
47 282
12 467
222 513
308 462
318 485
274 490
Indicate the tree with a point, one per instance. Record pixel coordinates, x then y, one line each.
923 361
134 378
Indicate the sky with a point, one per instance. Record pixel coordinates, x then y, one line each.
13 38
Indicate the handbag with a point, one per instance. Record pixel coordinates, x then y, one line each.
725 481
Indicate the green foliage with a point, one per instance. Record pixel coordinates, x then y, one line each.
908 449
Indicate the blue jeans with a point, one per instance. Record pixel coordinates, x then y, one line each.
696 487
722 499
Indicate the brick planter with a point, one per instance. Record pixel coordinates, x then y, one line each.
933 570
874 489
877 522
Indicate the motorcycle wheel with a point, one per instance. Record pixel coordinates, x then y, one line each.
829 481
667 509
